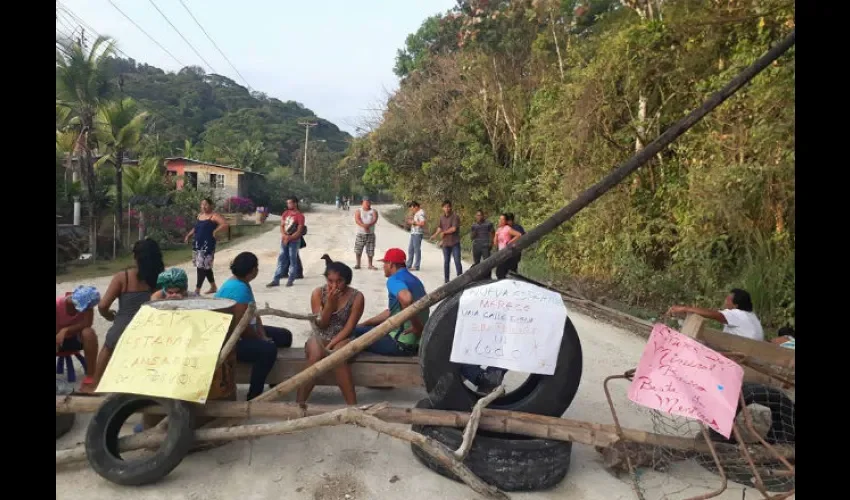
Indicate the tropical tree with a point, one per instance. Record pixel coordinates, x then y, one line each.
145 179
118 128
82 86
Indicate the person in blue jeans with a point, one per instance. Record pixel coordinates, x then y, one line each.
292 224
403 289
449 234
259 343
416 221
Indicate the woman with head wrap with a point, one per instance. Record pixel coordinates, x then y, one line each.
74 332
171 284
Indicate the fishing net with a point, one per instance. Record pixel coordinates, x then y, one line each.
659 472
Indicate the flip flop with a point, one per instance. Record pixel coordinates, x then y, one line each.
356 267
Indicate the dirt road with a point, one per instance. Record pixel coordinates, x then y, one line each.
348 463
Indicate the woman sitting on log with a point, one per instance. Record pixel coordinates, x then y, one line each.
258 344
339 308
171 284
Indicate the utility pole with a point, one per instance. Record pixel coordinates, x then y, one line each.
307 126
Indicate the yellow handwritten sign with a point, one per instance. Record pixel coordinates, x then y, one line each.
169 354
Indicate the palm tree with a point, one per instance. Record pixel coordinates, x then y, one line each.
118 129
146 179
81 86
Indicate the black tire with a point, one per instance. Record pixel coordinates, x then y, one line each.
64 421
782 431
508 462
549 395
102 440
782 413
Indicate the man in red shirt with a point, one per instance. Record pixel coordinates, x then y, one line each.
291 231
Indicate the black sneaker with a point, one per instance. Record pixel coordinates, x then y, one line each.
273 284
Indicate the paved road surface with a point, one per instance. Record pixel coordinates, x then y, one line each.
331 463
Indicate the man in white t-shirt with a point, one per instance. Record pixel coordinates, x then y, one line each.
737 317
417 222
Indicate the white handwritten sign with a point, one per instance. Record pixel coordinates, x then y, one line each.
510 324
680 376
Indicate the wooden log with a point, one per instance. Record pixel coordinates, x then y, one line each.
474 421
510 422
584 199
367 370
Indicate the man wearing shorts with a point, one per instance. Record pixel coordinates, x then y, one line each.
365 217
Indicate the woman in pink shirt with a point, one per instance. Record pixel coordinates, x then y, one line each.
74 332
505 235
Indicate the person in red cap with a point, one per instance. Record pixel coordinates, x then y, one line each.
403 289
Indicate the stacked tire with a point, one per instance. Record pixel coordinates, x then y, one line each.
508 462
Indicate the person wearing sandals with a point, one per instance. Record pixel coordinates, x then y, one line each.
131 288
365 217
338 308
208 225
171 284
74 332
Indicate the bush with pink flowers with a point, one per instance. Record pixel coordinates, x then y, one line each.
240 205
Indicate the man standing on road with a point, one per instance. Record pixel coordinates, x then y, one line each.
403 289
365 217
416 221
737 318
291 229
449 231
482 233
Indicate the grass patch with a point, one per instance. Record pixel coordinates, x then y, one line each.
79 270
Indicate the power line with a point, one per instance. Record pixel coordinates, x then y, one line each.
146 33
214 44
181 35
73 18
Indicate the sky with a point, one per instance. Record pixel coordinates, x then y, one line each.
333 56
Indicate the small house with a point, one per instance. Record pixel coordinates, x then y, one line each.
224 180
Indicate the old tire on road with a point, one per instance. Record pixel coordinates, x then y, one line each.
102 440
548 395
508 462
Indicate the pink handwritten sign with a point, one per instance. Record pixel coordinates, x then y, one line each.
680 376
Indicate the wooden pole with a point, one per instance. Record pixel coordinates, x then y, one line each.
561 216
510 422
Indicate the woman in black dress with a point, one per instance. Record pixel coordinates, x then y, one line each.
209 224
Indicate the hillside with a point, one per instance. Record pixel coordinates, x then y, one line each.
221 118
520 105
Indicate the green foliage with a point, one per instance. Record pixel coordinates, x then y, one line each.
218 116
492 121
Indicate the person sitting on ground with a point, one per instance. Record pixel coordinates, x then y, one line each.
403 290
132 290
171 284
786 337
339 308
258 344
74 332
737 317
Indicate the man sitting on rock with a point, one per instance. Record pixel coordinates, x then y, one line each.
74 332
